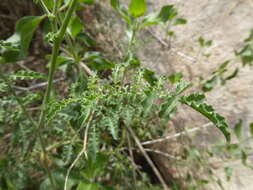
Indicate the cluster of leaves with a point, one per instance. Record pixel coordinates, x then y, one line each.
87 130
245 54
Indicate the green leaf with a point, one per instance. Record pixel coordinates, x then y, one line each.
232 75
238 129
167 13
115 4
75 26
250 37
87 186
180 21
228 172
209 84
251 129
176 77
137 8
95 167
123 13
148 103
113 127
89 2
150 77
27 75
195 101
86 39
24 30
246 54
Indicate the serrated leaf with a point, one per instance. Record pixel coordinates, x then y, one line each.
113 127
27 75
147 103
24 30
195 101
137 8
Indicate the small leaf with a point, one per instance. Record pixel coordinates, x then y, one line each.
251 129
167 13
195 101
24 74
86 39
246 54
176 77
180 21
238 129
137 8
150 77
228 172
148 103
250 37
233 75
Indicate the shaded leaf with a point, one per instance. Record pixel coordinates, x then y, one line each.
238 129
24 31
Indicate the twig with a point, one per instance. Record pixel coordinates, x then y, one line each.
132 157
177 134
83 151
150 162
37 85
192 59
86 69
162 153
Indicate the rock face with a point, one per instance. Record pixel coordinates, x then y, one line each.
227 23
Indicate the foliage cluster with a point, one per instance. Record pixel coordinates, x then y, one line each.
86 138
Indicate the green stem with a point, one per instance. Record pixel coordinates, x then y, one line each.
56 46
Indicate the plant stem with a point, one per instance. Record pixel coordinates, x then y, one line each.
57 42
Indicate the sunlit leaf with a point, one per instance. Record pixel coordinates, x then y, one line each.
137 8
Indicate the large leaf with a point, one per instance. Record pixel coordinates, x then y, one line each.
137 8
75 26
24 31
88 186
195 101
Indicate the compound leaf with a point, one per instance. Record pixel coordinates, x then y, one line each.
195 101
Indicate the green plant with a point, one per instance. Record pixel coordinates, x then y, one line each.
87 138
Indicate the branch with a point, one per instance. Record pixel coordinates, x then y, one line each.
177 134
150 162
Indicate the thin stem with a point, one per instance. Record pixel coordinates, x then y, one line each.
146 156
57 42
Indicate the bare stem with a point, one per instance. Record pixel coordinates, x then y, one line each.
146 156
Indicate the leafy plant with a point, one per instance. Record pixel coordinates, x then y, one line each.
86 138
